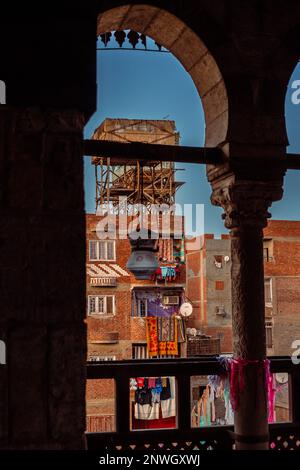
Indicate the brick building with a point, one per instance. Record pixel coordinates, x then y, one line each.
118 305
209 286
282 285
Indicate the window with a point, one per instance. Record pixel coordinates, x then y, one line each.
268 292
139 351
220 310
269 333
268 250
142 308
219 285
102 250
101 304
101 358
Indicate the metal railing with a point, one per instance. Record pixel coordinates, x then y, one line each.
282 435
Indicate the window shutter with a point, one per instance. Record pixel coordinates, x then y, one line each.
109 305
102 250
101 305
92 305
93 249
110 250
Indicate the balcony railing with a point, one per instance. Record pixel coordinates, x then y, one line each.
103 281
282 435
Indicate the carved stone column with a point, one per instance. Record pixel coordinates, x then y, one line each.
245 204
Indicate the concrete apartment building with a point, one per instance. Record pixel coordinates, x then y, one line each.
209 286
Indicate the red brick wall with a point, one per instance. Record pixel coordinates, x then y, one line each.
225 335
284 269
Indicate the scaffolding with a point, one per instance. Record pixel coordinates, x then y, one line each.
136 182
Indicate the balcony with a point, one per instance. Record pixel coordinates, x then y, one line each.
284 435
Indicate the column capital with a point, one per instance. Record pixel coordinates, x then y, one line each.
246 202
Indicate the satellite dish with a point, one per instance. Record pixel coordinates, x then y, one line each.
226 259
186 309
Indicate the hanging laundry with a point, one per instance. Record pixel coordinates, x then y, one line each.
140 382
167 336
168 273
166 390
155 395
146 412
165 249
143 396
162 336
158 385
150 401
270 380
133 384
206 407
181 330
157 309
178 253
152 336
151 382
168 405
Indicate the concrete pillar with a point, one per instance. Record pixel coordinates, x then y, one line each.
42 272
245 204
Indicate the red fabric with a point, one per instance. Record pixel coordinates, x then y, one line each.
237 377
140 382
152 336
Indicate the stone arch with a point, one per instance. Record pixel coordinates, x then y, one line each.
172 33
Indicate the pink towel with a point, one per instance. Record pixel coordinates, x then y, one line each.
151 382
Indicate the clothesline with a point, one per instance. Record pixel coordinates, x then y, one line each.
152 396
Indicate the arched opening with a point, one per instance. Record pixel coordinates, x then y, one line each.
201 72
43 221
188 48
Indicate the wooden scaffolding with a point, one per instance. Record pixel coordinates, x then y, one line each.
136 182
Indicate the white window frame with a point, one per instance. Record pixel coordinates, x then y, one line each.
139 308
106 250
104 313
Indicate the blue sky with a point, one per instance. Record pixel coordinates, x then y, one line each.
151 85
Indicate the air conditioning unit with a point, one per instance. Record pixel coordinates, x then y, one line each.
171 299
